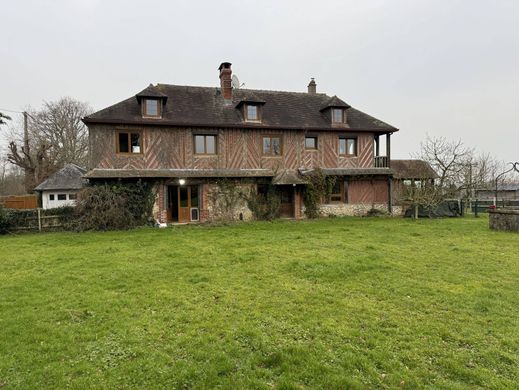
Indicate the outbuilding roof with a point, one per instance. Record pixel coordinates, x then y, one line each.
70 177
412 169
205 106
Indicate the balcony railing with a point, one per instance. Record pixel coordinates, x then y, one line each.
381 162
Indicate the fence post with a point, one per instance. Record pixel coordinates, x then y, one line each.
476 209
39 219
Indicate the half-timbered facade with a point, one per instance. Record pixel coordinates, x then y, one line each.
187 139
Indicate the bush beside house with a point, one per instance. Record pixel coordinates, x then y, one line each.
114 206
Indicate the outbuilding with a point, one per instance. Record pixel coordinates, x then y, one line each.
61 188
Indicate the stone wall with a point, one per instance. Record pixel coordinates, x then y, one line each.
345 209
228 204
507 220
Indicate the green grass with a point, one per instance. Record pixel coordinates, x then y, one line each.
331 304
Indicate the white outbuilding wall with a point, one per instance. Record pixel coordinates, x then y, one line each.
58 198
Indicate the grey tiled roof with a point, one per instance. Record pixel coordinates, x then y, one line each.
70 177
350 171
204 106
287 177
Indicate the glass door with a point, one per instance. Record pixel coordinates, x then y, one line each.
188 203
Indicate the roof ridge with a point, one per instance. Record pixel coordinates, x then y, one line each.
245 89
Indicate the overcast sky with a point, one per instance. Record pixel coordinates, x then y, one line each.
446 68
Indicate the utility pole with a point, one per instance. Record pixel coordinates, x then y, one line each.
25 132
26 149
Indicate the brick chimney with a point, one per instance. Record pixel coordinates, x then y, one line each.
225 81
312 87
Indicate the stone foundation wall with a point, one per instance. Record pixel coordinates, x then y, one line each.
344 209
507 220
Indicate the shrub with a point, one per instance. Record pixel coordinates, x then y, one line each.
264 206
5 220
114 206
373 212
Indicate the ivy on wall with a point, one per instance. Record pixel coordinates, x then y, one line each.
318 188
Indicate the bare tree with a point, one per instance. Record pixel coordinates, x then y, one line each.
56 137
420 192
11 179
447 158
37 163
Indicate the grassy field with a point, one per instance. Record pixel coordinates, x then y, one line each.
330 304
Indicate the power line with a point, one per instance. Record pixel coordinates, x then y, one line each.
6 110
18 112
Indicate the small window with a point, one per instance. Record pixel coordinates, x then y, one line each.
337 115
72 196
311 143
205 144
272 146
347 146
252 113
129 143
62 196
51 197
151 108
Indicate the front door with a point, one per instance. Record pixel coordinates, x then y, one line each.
286 208
183 203
187 203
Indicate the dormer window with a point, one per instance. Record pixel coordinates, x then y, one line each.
337 115
151 108
252 113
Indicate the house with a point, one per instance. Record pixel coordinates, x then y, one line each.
61 188
187 140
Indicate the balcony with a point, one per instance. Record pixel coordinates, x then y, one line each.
381 162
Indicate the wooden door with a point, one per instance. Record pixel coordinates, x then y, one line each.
184 203
188 203
286 208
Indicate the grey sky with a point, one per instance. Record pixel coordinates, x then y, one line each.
447 68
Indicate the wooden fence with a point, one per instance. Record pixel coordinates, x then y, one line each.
38 219
19 202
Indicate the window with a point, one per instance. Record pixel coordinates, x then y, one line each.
347 146
129 143
205 144
51 197
151 108
337 115
338 193
251 112
62 196
72 196
271 145
310 142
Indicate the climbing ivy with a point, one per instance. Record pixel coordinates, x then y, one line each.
318 188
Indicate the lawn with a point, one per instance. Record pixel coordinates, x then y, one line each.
328 304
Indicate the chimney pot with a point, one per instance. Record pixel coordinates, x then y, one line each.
312 86
226 81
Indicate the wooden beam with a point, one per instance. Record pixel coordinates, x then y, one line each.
390 195
388 149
